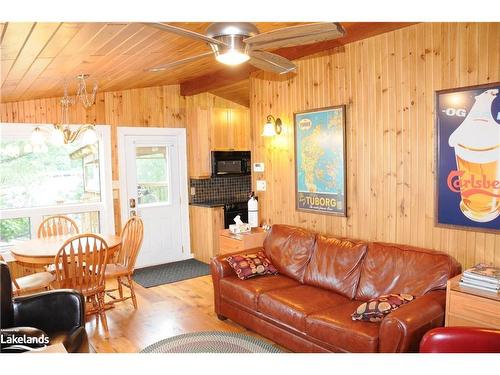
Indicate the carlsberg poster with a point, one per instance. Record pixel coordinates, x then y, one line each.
468 136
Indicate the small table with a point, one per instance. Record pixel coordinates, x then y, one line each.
231 243
471 307
42 251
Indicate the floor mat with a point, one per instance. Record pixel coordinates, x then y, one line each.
170 272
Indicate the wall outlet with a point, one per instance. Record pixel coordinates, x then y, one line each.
258 167
193 190
261 185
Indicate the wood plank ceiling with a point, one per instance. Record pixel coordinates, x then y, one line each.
36 58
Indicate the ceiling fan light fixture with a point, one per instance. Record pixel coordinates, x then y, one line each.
232 57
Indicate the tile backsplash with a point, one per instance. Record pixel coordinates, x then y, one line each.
221 189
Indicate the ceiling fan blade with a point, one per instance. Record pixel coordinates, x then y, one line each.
296 35
185 32
271 62
173 64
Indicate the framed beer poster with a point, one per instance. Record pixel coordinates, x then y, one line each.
320 161
468 157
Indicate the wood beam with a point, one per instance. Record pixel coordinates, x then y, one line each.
354 31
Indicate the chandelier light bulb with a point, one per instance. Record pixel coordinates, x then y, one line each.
37 137
89 137
57 137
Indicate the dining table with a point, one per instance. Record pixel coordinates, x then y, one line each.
42 251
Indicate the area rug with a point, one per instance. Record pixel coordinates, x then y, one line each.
170 272
212 342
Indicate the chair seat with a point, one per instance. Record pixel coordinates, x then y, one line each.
114 270
35 281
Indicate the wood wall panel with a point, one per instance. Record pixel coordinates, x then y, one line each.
388 83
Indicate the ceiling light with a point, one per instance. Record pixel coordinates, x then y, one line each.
232 57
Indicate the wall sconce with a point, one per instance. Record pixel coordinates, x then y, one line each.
272 127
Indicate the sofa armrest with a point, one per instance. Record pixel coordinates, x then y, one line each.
402 330
220 269
52 311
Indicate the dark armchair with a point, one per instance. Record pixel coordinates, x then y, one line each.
58 314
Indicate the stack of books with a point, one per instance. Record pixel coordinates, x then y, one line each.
482 277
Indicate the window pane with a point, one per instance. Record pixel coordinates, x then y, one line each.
87 222
48 176
152 180
12 230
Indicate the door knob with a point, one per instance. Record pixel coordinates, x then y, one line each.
131 203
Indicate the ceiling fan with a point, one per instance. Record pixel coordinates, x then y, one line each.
233 43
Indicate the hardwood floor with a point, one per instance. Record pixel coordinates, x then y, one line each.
163 311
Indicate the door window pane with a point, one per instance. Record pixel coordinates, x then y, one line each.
12 230
152 174
48 175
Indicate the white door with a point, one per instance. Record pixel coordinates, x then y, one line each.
154 186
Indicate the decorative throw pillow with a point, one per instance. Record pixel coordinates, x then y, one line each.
376 309
247 266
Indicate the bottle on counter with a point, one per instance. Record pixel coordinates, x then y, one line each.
253 211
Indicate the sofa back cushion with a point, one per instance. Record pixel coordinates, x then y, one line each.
336 265
289 249
390 268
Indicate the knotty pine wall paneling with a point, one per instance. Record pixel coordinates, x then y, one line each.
388 83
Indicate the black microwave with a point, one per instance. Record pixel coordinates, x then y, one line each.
231 163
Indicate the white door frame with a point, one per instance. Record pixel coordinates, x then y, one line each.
180 133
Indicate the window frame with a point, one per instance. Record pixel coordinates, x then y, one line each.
16 131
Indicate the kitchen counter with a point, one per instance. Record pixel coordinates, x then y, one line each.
211 204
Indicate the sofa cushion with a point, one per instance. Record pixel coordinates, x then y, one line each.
290 306
335 327
376 309
289 249
336 265
251 265
391 268
246 292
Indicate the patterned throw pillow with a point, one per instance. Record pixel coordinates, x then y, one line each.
376 309
247 266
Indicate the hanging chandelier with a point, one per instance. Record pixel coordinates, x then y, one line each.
62 133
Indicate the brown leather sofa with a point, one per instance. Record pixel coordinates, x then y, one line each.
321 282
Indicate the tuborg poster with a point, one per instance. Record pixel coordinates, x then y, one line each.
320 161
468 157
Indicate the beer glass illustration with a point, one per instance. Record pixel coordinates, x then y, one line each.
477 151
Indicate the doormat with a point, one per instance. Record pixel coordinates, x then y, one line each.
170 272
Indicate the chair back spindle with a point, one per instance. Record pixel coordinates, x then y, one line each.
57 225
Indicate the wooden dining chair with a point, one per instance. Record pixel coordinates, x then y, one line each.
31 283
57 225
123 267
81 265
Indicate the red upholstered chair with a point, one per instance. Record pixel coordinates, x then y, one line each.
461 340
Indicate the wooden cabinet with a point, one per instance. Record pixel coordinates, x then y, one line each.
231 243
215 129
471 307
205 224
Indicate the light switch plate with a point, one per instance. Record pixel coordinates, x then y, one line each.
193 190
261 185
258 167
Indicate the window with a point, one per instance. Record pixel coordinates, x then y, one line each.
72 180
152 176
